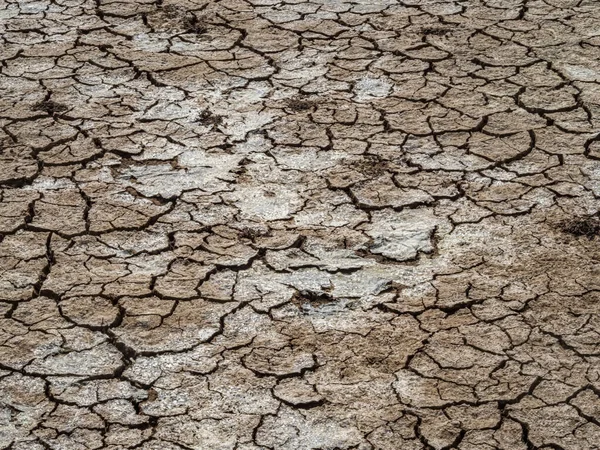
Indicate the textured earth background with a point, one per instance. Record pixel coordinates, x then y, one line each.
303 224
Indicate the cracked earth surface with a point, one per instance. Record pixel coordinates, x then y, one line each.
324 224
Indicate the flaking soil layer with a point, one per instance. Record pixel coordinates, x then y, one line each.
300 225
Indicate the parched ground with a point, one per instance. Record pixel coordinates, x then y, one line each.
300 224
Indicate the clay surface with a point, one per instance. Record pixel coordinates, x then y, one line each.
300 224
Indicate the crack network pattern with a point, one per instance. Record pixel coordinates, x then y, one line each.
300 224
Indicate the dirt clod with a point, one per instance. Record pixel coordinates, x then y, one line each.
312 298
51 107
300 104
587 226
206 117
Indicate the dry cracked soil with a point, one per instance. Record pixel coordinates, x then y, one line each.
300 224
